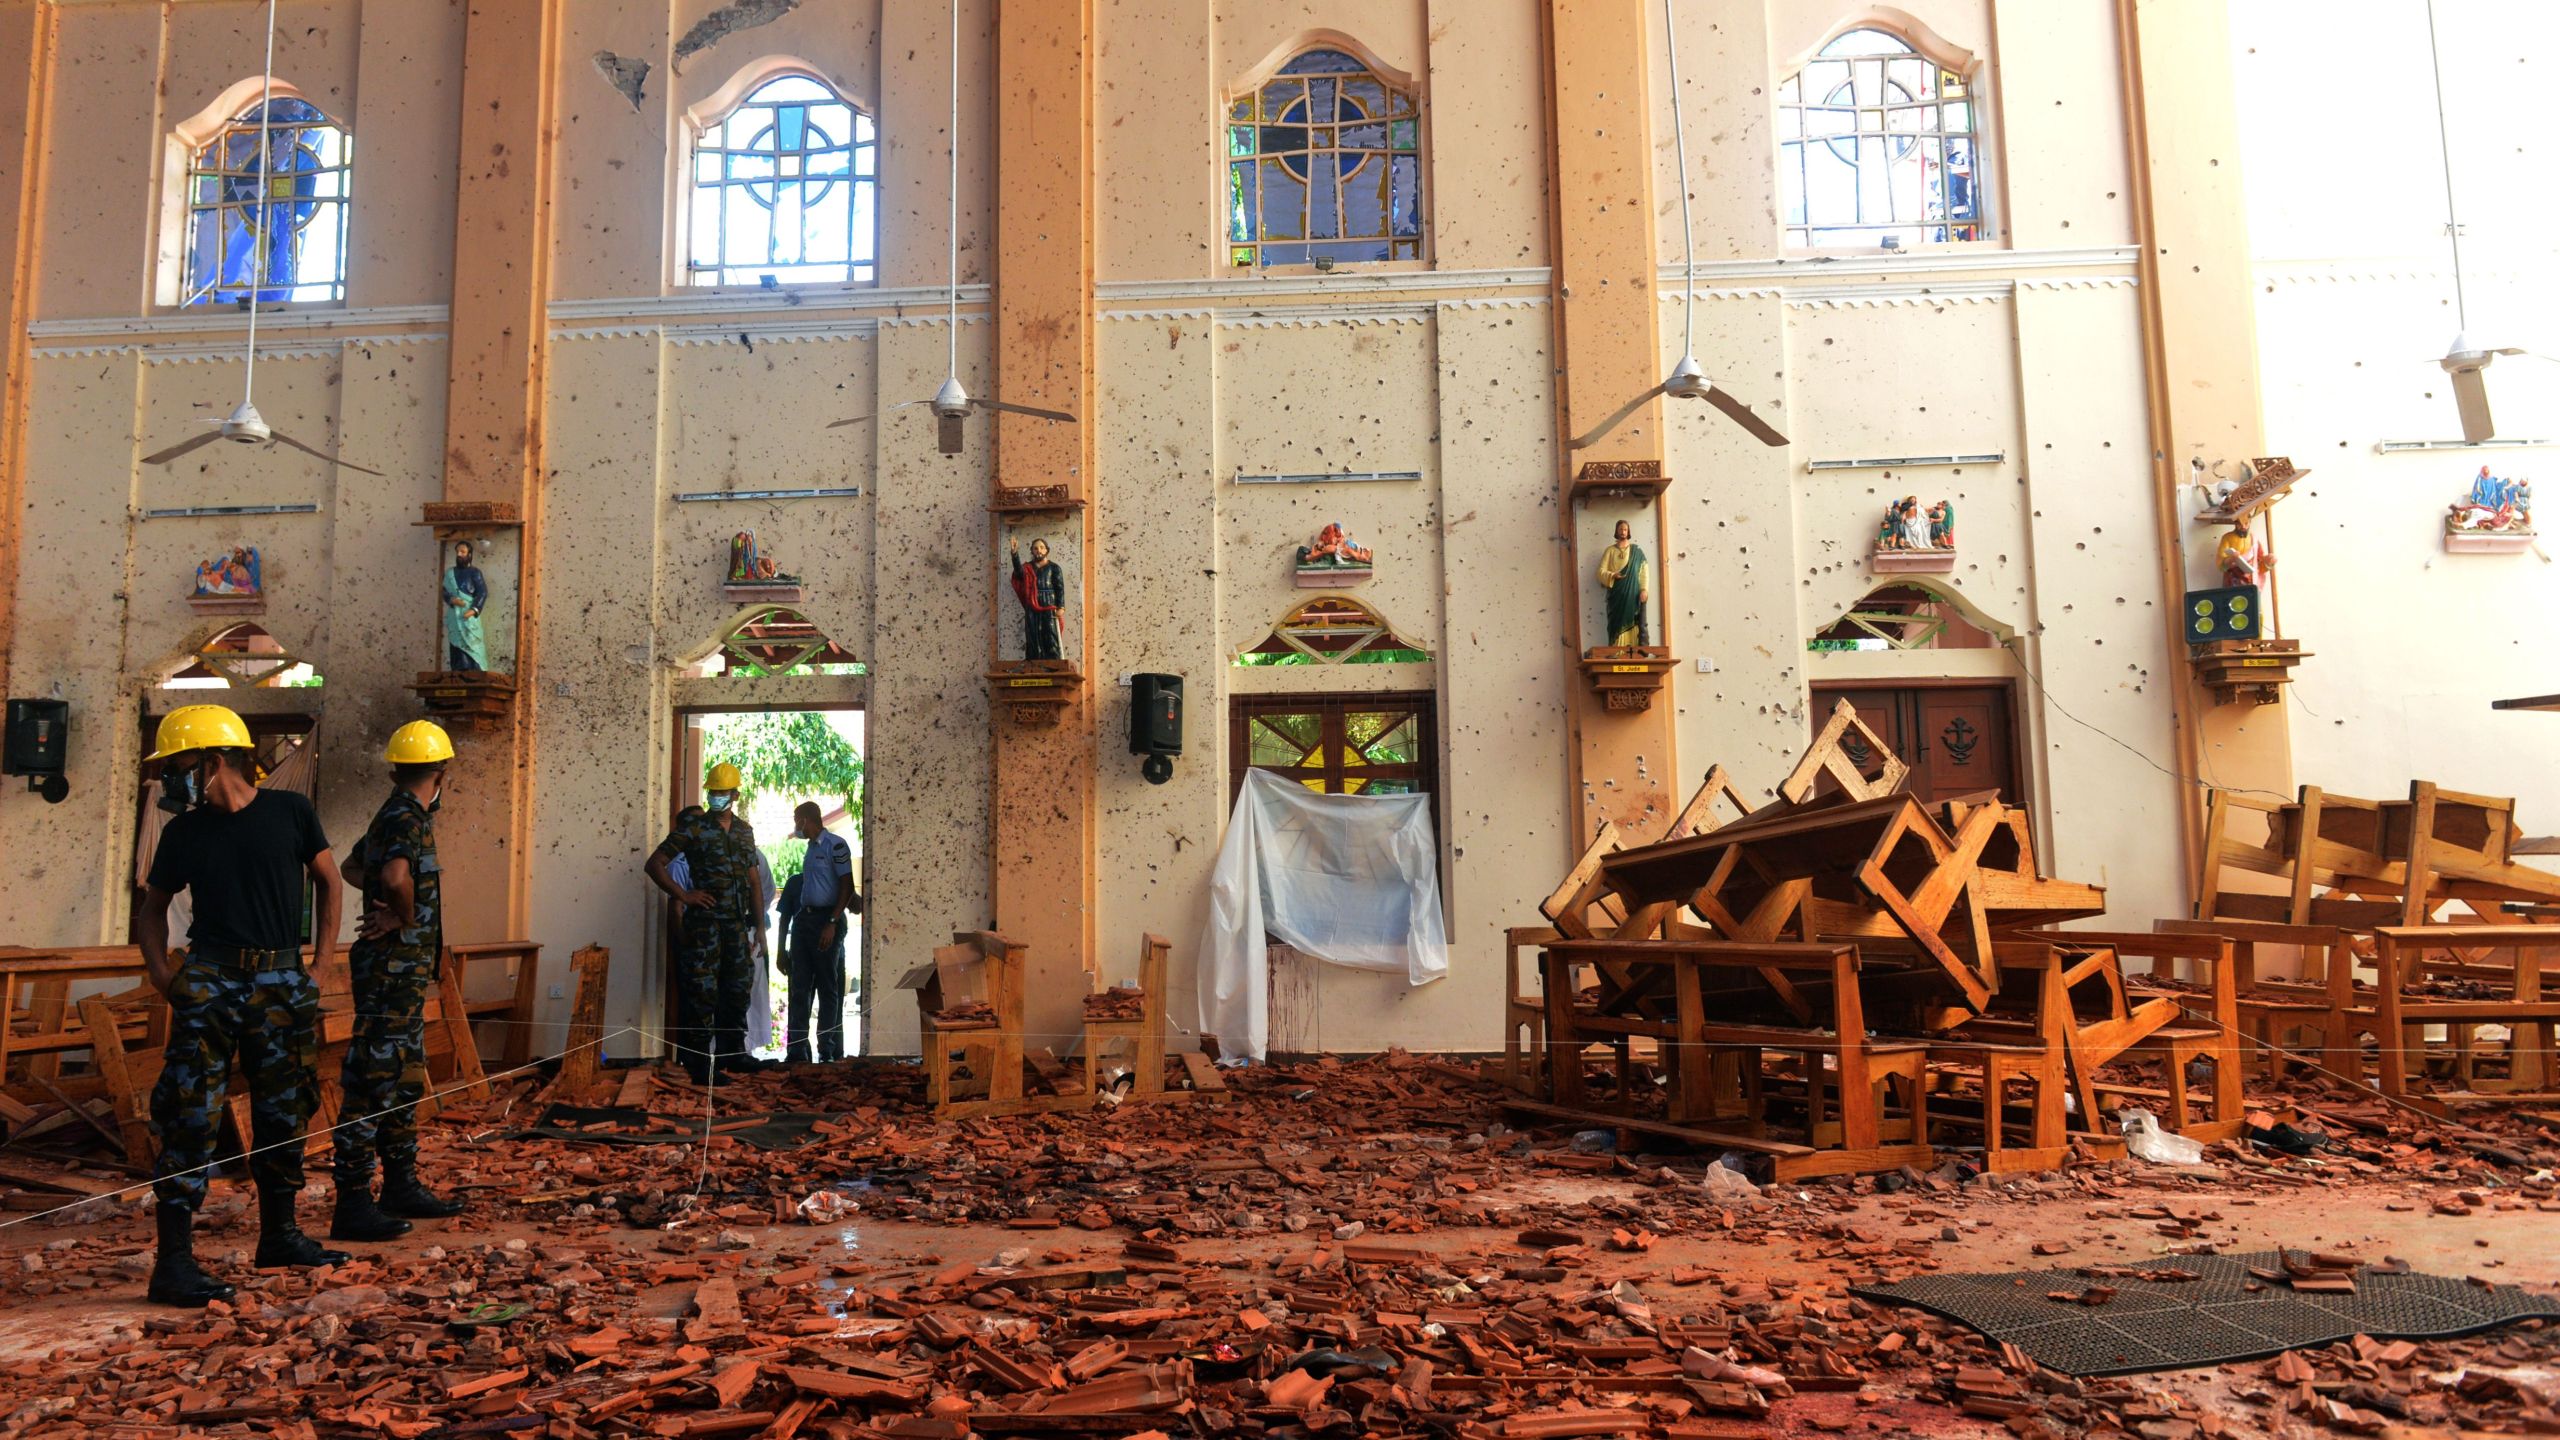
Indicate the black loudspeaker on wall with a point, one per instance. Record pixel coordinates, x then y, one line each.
37 745
1155 723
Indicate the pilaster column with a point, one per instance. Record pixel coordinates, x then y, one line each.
1606 307
1043 489
26 62
2200 344
494 426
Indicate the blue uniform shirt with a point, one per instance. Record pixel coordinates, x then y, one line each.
828 862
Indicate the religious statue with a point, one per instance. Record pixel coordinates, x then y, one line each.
749 565
1042 588
1333 550
232 575
1942 525
2493 506
1908 527
466 594
1628 579
2243 557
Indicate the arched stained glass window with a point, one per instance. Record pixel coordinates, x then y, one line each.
1877 146
267 208
785 190
1324 163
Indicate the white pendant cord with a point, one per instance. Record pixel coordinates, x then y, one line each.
1680 148
266 187
2444 144
954 237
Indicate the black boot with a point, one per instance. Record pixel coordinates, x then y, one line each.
175 1278
358 1218
403 1195
280 1237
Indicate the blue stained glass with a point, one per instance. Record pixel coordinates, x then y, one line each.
1323 62
268 197
784 190
1336 173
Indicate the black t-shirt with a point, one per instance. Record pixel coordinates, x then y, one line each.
245 869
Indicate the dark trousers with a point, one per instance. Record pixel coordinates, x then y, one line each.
816 975
458 662
268 1020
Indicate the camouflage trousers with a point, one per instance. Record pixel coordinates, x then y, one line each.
385 1070
270 1022
715 963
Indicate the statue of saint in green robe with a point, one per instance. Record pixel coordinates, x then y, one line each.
1628 578
466 594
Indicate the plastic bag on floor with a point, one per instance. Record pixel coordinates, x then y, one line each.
2145 1140
826 1207
1727 1185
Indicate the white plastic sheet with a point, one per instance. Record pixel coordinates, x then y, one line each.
1349 879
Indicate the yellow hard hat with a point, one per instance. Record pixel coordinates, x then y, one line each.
199 727
420 742
724 776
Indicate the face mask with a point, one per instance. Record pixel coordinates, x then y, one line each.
181 790
722 802
437 803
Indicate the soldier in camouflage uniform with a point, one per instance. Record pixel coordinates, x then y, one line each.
399 945
241 992
715 939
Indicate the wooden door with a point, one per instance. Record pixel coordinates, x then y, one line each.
1958 737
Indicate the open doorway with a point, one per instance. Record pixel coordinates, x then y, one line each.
786 755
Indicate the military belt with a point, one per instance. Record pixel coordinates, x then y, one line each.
248 962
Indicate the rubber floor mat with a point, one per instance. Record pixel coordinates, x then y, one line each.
2211 1320
638 1127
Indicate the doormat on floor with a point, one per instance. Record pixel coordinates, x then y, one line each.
609 1125
2213 1319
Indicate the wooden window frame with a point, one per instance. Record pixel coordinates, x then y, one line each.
1424 773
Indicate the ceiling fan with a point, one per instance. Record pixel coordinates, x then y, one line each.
1688 379
2466 359
244 425
953 403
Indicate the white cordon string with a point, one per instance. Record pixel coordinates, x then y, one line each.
953 135
2444 147
1680 152
266 195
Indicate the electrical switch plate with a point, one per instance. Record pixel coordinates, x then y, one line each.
558 994
1706 666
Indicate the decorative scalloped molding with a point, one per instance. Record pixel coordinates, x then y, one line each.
1202 313
1985 261
2383 272
1497 302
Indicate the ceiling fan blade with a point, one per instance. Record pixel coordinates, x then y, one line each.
182 447
856 420
2471 397
1741 415
950 434
984 403
1585 442
282 438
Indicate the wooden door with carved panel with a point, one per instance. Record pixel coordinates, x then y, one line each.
1959 736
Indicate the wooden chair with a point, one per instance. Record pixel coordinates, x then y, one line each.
1144 1036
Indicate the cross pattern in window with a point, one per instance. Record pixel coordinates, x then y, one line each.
785 190
1338 745
1324 162
267 208
1876 143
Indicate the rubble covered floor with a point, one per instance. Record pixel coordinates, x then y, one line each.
1338 1248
